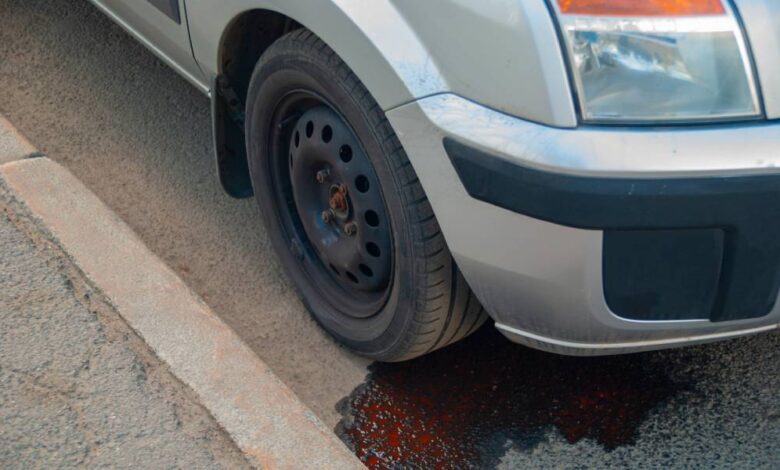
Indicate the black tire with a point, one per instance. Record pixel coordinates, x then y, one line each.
425 303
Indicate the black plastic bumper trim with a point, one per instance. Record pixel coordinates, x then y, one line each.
746 208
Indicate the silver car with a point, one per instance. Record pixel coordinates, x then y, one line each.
596 176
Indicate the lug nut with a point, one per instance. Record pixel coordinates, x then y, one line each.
323 175
327 216
350 229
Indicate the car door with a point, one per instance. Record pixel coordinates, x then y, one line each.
162 26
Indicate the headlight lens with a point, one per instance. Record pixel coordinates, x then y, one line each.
658 60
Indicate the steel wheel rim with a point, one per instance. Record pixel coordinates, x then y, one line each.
330 205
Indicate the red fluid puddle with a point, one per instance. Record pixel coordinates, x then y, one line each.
458 407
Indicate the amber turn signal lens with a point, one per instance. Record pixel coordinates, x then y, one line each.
641 7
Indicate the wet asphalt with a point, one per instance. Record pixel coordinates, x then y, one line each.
139 136
487 403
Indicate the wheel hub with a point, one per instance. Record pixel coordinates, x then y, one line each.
338 201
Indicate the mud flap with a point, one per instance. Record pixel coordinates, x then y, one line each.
229 145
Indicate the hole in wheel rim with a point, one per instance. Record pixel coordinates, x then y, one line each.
362 184
327 134
345 153
372 218
373 249
366 270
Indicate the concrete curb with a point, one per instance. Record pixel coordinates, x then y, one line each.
262 415
13 145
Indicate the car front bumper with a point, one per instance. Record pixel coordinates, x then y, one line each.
604 240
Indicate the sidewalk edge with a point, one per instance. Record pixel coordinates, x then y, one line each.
261 414
13 145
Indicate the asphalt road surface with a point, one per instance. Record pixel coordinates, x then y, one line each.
94 100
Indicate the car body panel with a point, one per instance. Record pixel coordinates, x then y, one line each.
404 50
762 22
349 29
167 38
637 152
542 282
503 54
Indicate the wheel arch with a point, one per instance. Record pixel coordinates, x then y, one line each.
375 41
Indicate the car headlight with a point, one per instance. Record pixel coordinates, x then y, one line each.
658 60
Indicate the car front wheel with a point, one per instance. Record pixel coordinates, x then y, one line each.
345 210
